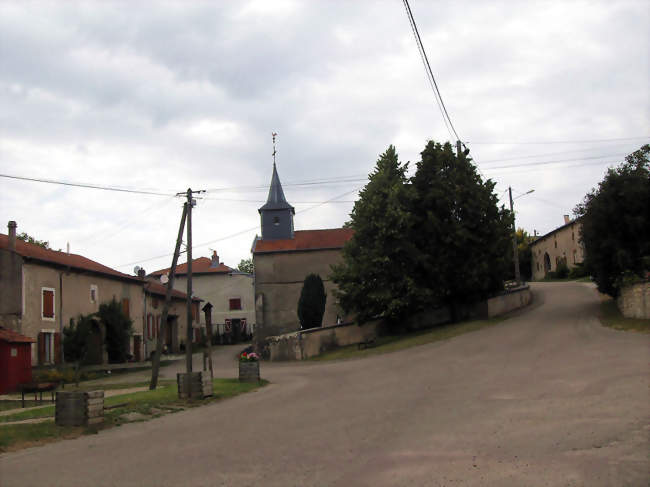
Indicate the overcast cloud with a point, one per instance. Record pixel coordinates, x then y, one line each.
165 96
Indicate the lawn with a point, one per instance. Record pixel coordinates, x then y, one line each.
611 316
393 343
147 405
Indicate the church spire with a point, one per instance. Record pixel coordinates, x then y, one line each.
277 213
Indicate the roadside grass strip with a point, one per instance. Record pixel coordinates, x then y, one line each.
393 343
611 317
120 409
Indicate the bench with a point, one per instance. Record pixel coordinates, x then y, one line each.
370 342
37 387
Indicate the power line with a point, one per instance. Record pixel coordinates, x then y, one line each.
542 163
86 185
592 141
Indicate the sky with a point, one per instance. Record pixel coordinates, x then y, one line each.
160 97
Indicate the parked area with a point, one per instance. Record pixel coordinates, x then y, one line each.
549 396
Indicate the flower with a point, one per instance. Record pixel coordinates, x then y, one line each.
248 357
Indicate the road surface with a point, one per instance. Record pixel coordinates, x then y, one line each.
549 397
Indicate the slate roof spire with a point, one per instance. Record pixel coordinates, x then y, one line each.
276 199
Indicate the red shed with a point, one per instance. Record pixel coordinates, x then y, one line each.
15 360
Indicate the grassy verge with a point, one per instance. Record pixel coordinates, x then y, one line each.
393 343
149 404
611 316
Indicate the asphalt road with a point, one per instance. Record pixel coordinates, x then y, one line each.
549 397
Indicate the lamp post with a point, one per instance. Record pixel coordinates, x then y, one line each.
515 250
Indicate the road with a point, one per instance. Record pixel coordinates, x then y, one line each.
548 397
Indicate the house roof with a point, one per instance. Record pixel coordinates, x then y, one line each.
306 240
161 290
53 257
276 199
13 337
202 265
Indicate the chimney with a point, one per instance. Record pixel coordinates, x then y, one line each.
215 259
142 272
12 234
566 219
67 248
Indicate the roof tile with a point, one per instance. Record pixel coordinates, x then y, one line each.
303 240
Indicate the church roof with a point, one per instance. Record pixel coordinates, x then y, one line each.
276 199
305 240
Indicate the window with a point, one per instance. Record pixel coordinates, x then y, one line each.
47 303
276 220
93 293
125 307
154 303
235 303
150 326
47 347
556 245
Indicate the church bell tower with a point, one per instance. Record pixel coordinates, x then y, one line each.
276 215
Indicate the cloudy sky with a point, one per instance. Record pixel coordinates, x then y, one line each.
159 97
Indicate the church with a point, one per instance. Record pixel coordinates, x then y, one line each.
283 257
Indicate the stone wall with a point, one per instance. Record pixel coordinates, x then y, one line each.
634 301
562 243
508 301
304 344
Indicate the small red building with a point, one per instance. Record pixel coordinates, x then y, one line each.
15 360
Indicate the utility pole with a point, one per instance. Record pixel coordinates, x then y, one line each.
168 294
515 250
188 342
458 148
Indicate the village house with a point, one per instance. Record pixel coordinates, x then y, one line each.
42 290
229 291
560 245
283 258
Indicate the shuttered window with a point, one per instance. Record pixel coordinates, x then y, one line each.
125 307
235 303
47 299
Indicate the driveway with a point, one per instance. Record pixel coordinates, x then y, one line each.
549 397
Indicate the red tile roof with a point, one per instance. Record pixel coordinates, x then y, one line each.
13 337
202 265
161 290
35 252
304 240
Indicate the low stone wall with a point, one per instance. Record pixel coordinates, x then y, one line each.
303 344
634 301
508 301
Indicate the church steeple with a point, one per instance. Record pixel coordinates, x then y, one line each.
277 214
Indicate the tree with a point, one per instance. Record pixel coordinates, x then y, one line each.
372 279
75 340
246 265
118 330
311 305
615 221
524 239
29 239
461 234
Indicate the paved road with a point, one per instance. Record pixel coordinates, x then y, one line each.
549 397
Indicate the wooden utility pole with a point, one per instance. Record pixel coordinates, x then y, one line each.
208 327
168 293
190 330
515 250
458 148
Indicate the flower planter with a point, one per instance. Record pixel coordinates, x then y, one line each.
249 371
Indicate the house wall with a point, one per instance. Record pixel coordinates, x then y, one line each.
218 289
154 309
11 299
73 300
634 301
279 279
564 242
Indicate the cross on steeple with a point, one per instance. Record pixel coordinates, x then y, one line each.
274 134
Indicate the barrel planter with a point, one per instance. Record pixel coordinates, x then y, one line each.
79 408
249 371
195 385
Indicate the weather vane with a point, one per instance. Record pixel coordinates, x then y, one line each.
274 134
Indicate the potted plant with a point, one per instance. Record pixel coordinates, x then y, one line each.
249 366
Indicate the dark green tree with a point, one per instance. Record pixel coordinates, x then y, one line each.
118 330
75 340
461 234
311 305
246 265
615 221
372 279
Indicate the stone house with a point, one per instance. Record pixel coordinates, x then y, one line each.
561 244
42 290
283 258
229 291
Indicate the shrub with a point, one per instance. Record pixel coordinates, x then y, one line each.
562 271
578 271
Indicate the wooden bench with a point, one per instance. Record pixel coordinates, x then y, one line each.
36 388
370 342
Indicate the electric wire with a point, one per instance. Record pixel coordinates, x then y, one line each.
592 141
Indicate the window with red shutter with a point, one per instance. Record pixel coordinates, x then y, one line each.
47 303
125 307
235 303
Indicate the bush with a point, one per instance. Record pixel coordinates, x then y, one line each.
118 330
578 272
562 271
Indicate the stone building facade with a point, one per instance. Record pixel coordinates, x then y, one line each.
561 244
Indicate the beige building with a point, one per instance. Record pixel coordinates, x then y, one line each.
562 244
229 291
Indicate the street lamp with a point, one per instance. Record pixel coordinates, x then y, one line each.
515 250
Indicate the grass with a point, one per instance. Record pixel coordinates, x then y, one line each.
611 317
393 343
7 404
149 404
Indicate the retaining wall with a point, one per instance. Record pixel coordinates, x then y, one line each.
634 301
